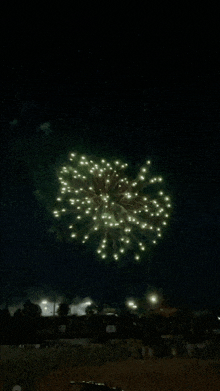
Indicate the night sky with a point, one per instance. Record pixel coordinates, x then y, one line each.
129 83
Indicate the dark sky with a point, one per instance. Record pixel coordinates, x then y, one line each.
132 83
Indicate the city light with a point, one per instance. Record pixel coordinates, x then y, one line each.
79 309
132 304
48 308
87 303
153 299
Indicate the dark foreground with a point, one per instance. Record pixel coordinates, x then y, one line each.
116 365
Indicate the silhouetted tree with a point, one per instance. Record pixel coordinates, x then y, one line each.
31 310
92 309
5 314
63 309
18 313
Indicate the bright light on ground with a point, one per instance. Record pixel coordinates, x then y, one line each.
131 304
47 307
153 299
87 303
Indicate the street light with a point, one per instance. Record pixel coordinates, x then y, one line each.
49 307
153 299
132 305
87 303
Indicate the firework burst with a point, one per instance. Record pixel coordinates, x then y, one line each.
98 200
